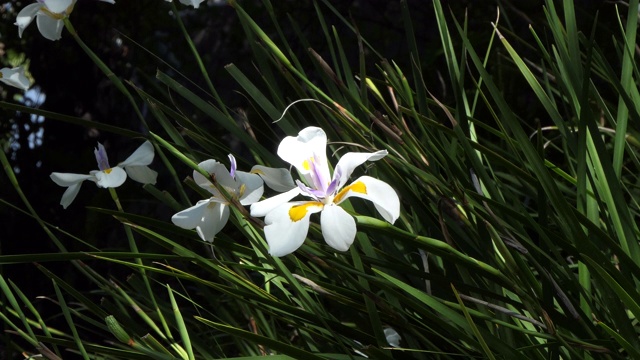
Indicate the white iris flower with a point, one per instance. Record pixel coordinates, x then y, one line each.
109 177
209 216
287 223
49 16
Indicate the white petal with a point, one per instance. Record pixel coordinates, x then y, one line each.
338 227
208 217
392 336
26 16
310 144
109 1
49 27
215 218
379 192
142 156
15 77
265 206
110 178
278 179
349 161
142 174
194 3
70 194
287 226
218 172
251 187
67 179
191 217
57 6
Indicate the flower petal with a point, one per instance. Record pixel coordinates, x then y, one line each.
349 161
218 172
142 174
208 217
101 157
338 227
215 218
67 179
392 336
57 6
191 217
251 187
287 226
15 77
142 156
194 3
384 198
49 27
308 153
265 206
110 178
26 16
278 179
70 195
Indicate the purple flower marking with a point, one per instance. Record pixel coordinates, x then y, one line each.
101 158
232 166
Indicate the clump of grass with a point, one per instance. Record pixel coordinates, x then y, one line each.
516 239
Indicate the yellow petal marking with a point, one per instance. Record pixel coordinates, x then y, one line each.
108 171
306 165
357 186
298 212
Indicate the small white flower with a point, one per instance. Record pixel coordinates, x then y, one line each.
287 223
209 216
49 16
109 177
14 77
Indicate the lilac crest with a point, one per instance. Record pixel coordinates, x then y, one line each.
101 158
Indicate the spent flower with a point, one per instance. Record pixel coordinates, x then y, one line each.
210 215
287 222
109 177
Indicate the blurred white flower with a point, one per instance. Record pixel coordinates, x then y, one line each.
14 77
392 336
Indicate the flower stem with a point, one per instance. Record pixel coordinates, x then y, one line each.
134 249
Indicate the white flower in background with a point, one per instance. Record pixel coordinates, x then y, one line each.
392 336
14 77
287 223
109 177
194 3
49 16
209 216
